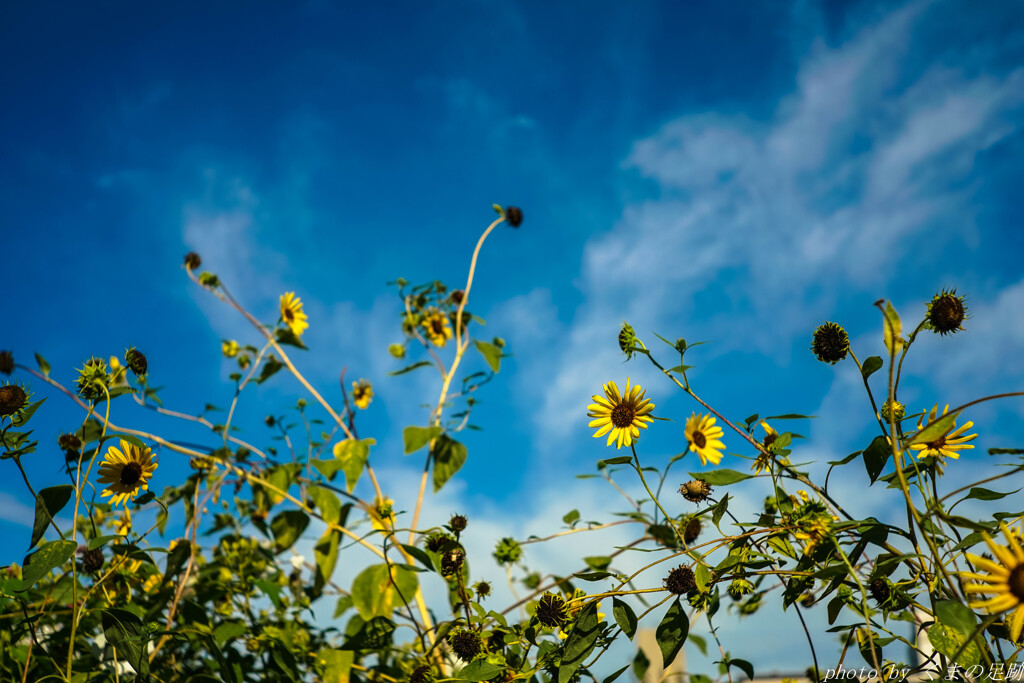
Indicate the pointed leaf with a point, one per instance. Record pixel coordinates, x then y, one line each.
416 438
893 330
933 431
44 367
875 457
491 353
287 526
125 632
720 477
624 617
40 563
449 456
49 502
871 365
671 633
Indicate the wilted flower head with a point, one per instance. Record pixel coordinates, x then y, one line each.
695 490
465 644
6 362
946 312
514 216
92 377
830 343
680 580
136 361
12 399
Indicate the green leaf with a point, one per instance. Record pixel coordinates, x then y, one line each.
671 633
743 665
720 510
615 675
270 367
624 617
416 438
409 368
325 552
617 460
374 593
956 615
353 455
49 502
227 630
875 457
482 669
571 517
125 632
720 477
374 634
40 563
44 367
491 353
327 503
702 576
580 642
287 526
177 558
449 456
101 541
979 493
871 365
334 665
947 640
328 468
640 665
935 429
893 330
281 477
593 576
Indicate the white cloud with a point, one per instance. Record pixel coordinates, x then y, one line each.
782 218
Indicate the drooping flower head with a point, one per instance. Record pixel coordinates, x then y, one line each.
292 314
620 416
947 444
126 472
1004 580
704 435
12 399
695 490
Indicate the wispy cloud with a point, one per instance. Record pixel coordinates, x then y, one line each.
775 222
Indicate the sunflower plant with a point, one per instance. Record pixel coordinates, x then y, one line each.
136 574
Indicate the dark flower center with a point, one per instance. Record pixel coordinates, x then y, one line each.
131 474
12 399
289 315
437 326
769 440
622 415
1015 582
947 313
699 440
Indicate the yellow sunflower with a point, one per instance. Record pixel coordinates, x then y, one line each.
437 328
704 437
946 445
291 313
382 514
126 472
620 416
1005 579
362 394
763 461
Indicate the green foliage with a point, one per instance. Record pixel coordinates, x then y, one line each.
223 575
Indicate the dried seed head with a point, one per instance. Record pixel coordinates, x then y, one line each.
695 490
830 343
680 581
514 216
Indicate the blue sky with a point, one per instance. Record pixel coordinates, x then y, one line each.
703 173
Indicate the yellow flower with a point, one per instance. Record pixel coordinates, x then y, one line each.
122 525
620 417
946 445
764 460
362 394
229 347
704 437
382 514
1005 579
117 372
152 583
816 531
291 313
126 472
438 329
